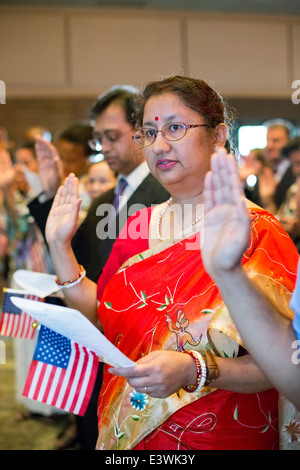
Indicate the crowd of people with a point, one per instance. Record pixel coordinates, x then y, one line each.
30 175
188 270
276 172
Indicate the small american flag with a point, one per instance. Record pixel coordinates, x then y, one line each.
62 373
15 322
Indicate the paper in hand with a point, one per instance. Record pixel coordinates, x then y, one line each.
39 284
75 326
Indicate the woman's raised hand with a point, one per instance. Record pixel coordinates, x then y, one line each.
226 219
62 222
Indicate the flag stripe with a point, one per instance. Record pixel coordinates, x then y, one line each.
25 326
3 327
71 384
29 380
39 378
80 372
54 386
22 327
14 322
34 378
60 380
63 392
48 385
43 383
30 330
25 329
9 324
91 372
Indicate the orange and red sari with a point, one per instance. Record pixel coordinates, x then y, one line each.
166 300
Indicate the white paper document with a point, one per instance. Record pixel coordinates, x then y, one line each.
75 326
40 284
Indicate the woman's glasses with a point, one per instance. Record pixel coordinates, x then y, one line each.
171 131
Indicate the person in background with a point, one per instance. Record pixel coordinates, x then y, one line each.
278 135
255 172
20 183
100 178
26 249
71 153
73 148
5 147
287 213
25 155
273 185
3 245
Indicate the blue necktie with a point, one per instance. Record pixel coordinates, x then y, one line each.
121 187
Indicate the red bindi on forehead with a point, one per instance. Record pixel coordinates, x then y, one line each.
156 118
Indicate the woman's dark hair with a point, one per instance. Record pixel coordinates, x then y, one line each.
195 93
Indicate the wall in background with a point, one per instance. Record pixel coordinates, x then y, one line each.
83 51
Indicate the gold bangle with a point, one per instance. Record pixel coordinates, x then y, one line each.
212 369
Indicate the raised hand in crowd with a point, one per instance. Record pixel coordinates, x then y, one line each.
7 180
7 172
49 166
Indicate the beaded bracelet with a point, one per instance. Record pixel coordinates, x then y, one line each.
74 281
201 372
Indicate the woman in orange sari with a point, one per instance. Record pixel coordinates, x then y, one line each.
193 386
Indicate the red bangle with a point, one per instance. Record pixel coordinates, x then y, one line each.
81 273
192 388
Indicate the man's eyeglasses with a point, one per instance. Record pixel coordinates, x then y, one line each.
171 131
111 136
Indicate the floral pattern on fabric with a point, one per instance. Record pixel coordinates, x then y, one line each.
166 300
